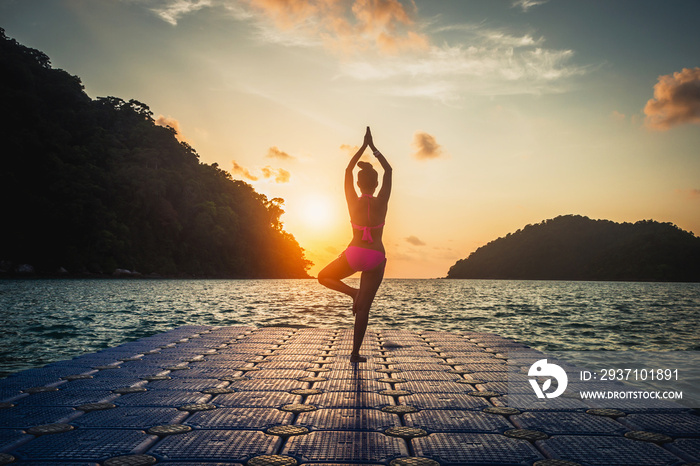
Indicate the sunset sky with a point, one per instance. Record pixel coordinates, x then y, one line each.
494 114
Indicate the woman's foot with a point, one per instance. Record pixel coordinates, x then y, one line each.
354 302
355 358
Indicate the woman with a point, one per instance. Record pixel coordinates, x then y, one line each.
366 252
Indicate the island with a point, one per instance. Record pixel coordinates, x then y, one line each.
96 187
574 247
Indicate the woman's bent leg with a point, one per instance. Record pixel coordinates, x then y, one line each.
334 272
369 284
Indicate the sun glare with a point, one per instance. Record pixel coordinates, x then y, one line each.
318 212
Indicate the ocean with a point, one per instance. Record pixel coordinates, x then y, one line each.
47 320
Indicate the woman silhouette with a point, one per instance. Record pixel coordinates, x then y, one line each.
366 251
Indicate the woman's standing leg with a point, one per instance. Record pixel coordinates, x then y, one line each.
369 284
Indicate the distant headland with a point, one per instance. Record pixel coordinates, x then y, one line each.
96 188
573 247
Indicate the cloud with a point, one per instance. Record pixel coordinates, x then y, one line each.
415 241
280 175
342 26
171 10
617 116
387 42
351 150
164 121
275 153
244 172
486 61
676 100
527 4
426 146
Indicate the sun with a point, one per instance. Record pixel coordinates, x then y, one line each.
318 212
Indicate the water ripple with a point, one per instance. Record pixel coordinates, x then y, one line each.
59 319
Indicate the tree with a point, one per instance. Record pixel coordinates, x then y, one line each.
94 185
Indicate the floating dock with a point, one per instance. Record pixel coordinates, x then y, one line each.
285 396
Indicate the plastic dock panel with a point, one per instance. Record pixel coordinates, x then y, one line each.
436 386
172 398
129 418
252 396
457 420
216 445
239 418
350 399
475 449
348 419
86 444
66 398
337 446
607 451
673 425
686 448
568 423
417 376
34 416
267 399
263 385
101 383
444 401
530 403
185 384
12 437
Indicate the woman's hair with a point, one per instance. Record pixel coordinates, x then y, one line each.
367 177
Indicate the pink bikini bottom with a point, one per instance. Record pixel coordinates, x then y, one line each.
362 259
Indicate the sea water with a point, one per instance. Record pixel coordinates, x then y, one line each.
48 320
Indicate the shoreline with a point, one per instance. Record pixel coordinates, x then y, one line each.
152 276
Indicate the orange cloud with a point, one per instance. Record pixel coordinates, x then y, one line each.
351 150
426 146
384 25
287 13
393 44
279 174
676 100
171 122
282 176
276 153
244 172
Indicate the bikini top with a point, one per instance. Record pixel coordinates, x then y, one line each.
367 230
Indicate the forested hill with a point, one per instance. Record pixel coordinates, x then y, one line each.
91 186
573 247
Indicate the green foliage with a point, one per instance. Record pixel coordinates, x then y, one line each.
573 247
94 185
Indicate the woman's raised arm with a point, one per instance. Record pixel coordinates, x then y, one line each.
350 193
385 191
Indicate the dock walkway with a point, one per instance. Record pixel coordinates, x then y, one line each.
285 396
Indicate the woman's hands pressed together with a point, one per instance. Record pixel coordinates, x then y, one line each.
368 139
